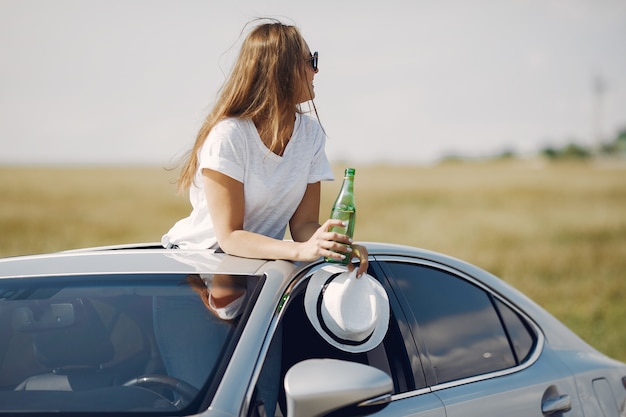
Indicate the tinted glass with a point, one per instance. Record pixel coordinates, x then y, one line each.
80 344
456 320
522 337
302 341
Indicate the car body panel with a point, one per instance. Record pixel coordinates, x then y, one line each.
422 405
516 394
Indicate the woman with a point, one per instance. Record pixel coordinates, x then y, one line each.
257 162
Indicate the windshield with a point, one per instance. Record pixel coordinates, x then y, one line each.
117 343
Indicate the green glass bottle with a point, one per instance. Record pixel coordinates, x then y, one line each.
344 209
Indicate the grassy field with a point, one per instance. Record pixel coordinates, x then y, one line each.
555 231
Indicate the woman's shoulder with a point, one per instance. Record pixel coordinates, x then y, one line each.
231 127
307 118
232 123
309 124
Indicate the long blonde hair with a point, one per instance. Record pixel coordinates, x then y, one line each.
264 85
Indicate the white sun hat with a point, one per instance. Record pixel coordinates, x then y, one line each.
350 313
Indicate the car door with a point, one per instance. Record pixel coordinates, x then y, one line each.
395 355
398 356
481 356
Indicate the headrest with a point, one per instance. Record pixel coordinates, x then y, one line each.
85 343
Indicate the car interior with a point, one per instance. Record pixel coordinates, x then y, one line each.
63 352
76 352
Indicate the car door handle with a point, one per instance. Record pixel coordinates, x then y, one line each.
560 404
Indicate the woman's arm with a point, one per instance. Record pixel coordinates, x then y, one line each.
305 220
225 199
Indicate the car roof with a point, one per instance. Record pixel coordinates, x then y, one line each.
153 258
127 260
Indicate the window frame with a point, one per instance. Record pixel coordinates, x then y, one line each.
421 350
386 357
409 350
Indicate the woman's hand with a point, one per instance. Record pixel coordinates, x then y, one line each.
325 243
328 244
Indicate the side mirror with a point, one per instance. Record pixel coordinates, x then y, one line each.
316 387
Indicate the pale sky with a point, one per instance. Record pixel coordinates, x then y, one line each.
405 81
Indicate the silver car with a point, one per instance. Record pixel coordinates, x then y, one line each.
131 330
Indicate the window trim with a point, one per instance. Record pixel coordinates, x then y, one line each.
531 358
417 346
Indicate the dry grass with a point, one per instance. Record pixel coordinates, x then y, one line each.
557 232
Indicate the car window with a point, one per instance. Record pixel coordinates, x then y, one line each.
522 338
300 341
116 343
459 324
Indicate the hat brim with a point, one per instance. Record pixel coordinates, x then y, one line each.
316 284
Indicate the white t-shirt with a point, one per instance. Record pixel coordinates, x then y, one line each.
273 185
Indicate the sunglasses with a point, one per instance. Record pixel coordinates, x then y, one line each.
313 61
